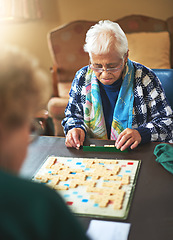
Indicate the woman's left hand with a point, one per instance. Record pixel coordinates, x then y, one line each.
128 138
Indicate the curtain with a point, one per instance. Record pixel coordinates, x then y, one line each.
20 9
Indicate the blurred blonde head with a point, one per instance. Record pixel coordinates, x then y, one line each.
24 86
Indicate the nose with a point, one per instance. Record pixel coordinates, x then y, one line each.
104 71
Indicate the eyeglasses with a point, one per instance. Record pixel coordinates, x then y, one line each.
35 130
109 67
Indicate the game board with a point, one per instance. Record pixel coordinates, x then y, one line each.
101 188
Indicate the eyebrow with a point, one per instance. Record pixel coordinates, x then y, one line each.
105 64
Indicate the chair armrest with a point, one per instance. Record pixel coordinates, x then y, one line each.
53 71
56 107
42 114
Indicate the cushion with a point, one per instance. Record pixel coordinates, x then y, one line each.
166 78
151 49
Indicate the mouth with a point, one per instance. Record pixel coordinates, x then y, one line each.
106 79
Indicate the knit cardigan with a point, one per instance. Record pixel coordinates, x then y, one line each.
152 112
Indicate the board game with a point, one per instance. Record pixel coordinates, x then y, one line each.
101 188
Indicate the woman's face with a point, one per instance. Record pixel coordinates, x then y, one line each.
13 147
108 61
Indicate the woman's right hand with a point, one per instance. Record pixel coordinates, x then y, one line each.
75 138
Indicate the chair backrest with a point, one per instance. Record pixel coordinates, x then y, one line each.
66 46
166 78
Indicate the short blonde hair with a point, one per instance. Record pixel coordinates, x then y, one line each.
24 86
103 35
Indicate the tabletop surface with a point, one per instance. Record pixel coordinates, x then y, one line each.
151 211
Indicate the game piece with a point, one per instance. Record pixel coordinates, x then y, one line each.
105 148
92 187
109 145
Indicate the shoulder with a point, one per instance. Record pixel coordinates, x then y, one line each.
39 206
80 75
145 75
78 84
82 71
20 188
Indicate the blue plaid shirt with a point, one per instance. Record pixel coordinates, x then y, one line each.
153 116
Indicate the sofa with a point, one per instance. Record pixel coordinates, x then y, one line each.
150 43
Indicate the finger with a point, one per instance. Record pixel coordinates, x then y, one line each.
79 137
122 141
70 141
120 137
76 137
68 144
126 144
134 145
117 143
82 137
131 142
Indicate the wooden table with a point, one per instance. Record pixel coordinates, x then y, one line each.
151 212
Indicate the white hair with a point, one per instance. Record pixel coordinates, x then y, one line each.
102 36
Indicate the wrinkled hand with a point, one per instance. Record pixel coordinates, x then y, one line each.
128 138
75 138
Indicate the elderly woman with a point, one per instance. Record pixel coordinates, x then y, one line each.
115 98
28 210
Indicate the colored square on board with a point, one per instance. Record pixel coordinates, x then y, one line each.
130 163
69 203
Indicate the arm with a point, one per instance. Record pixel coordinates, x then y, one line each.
73 122
153 115
153 119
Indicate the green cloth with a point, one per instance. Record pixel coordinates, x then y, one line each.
30 210
164 154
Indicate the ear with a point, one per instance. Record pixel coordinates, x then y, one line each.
126 55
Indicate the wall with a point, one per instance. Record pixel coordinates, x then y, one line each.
113 9
32 35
